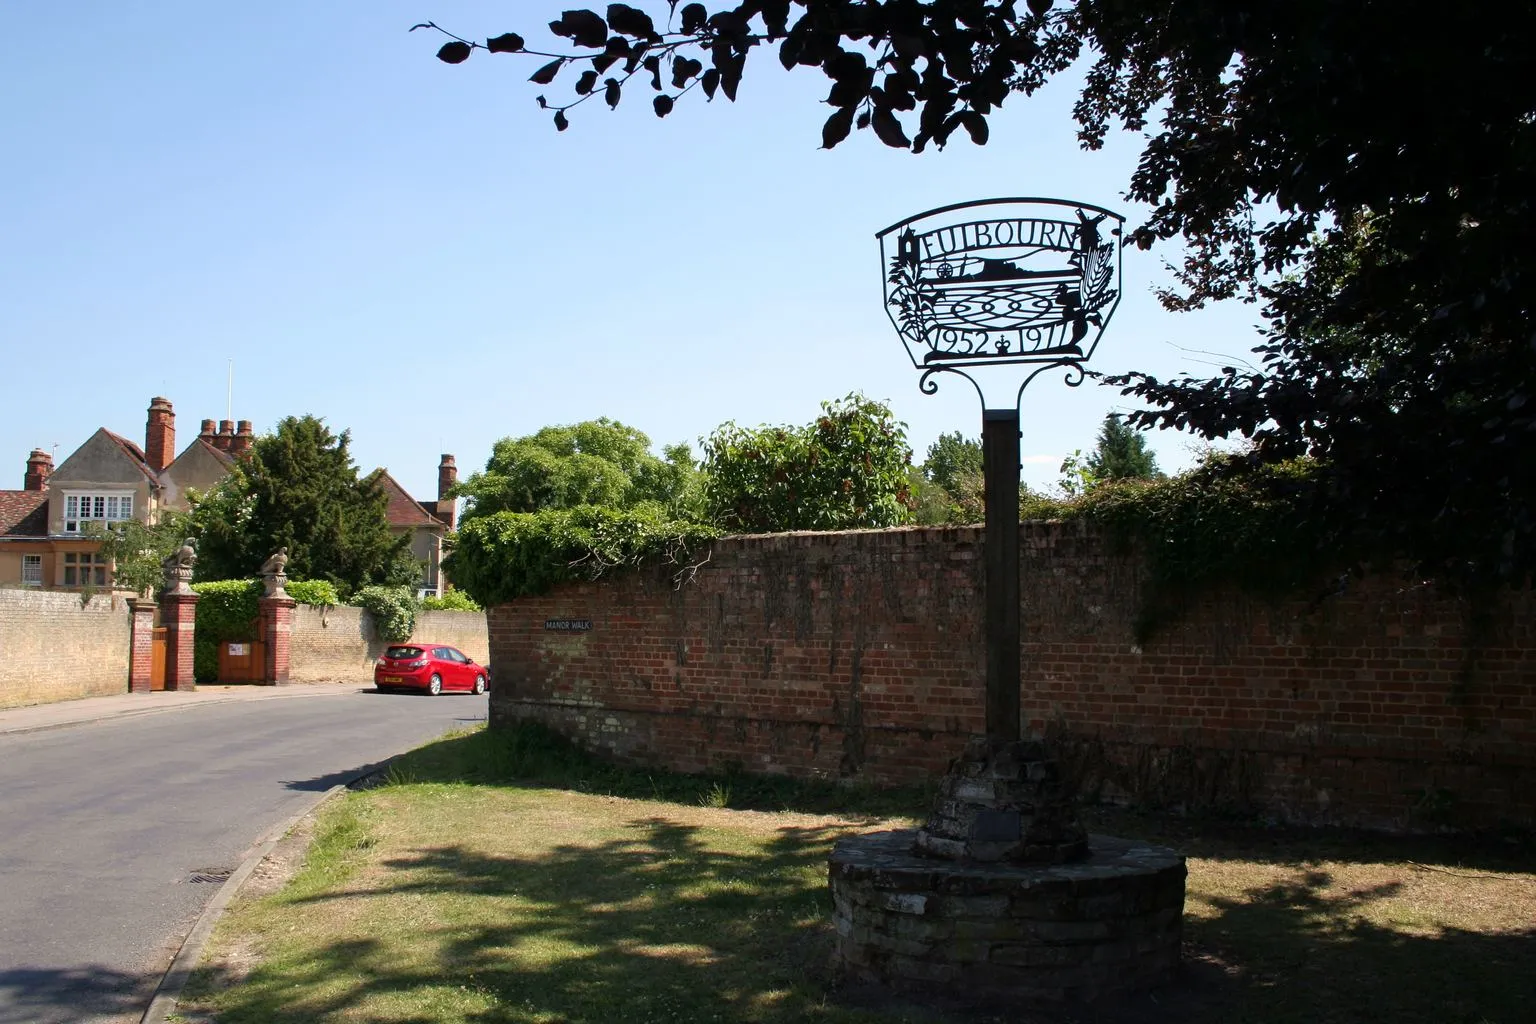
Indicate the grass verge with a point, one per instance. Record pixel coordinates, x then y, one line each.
508 878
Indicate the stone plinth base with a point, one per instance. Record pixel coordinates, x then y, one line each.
1004 802
1105 925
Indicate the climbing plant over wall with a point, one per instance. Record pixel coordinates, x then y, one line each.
1261 530
516 554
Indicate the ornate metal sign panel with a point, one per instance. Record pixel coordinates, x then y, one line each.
1002 281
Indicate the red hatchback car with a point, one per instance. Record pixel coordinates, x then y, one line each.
432 668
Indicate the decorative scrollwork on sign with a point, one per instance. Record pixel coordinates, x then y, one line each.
1002 281
928 383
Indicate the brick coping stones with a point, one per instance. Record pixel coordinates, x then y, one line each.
1105 925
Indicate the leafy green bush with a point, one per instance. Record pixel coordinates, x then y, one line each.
849 469
316 593
393 610
516 554
452 601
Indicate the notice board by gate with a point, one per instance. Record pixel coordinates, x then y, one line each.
242 661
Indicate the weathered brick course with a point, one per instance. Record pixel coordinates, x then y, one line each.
858 655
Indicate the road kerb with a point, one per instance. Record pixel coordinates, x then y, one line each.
177 974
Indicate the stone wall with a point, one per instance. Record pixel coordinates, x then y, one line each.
858 656
53 647
339 644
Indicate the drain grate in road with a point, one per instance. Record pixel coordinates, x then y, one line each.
206 875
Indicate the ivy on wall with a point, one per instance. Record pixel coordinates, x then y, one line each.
517 554
1261 530
393 610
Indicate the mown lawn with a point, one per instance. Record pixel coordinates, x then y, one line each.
497 878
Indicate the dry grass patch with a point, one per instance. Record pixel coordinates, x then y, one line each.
441 901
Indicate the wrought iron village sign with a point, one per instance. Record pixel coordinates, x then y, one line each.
1002 281
975 289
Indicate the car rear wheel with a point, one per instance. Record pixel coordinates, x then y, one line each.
435 685
479 684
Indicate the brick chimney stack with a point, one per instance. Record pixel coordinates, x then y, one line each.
447 476
160 434
209 431
39 467
244 438
225 439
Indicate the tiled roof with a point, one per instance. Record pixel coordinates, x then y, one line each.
404 511
23 513
134 452
435 510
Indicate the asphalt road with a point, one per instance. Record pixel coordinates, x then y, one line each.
103 825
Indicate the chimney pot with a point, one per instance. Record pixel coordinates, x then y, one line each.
209 428
243 438
39 468
447 476
160 434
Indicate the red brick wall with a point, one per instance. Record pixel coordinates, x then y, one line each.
858 655
141 657
178 612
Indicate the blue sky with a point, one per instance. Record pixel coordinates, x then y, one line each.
410 250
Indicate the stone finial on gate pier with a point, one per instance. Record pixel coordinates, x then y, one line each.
274 578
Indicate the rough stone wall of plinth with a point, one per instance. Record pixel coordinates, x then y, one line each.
1078 932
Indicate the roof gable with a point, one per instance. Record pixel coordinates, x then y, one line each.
104 458
200 459
404 511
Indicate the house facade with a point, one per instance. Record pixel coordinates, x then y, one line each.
45 531
45 527
427 523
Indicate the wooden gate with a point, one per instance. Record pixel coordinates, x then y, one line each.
157 659
242 661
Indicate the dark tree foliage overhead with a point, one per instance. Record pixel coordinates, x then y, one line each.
1364 168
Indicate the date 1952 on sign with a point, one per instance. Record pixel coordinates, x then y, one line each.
568 625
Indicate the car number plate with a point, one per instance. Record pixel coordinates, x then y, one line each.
393 679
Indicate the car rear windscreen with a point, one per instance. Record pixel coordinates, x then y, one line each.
403 652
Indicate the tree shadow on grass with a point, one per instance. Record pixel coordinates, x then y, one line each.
531 754
656 926
661 925
1293 952
1214 837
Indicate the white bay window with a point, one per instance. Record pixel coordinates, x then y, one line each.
80 509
